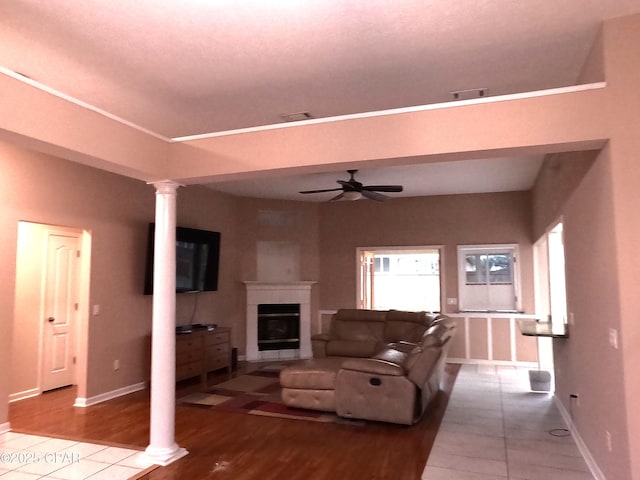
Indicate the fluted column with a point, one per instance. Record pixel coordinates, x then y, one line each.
163 449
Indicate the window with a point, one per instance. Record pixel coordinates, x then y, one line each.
402 278
487 277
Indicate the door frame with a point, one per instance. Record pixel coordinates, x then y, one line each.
31 264
544 289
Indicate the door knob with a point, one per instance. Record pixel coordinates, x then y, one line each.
51 319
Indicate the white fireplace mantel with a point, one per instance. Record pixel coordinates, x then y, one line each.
272 293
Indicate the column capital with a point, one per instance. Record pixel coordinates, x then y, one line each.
165 186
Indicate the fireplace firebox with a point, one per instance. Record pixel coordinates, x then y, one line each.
278 326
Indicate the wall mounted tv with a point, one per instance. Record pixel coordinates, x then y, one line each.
197 260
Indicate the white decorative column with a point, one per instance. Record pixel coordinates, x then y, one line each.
162 448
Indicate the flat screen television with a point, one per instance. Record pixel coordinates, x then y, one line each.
197 260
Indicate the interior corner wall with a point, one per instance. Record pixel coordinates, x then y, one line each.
278 221
8 244
447 220
559 175
202 208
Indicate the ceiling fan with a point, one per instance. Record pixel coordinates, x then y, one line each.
354 190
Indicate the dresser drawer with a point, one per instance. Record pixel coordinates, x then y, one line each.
187 370
202 351
188 356
187 344
217 361
218 349
216 338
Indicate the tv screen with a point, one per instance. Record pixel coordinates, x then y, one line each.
197 260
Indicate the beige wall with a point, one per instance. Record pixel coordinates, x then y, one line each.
602 233
585 364
622 70
448 220
116 210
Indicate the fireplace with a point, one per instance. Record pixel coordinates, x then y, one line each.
278 320
278 326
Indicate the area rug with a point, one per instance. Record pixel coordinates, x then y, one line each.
257 393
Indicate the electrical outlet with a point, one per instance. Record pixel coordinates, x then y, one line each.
452 301
96 310
608 440
116 365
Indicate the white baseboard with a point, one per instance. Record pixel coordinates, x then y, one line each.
103 397
582 447
32 392
5 427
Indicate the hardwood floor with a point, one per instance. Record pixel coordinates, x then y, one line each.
244 447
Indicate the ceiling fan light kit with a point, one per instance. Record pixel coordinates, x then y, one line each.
354 190
351 195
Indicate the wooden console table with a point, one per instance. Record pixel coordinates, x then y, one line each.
202 351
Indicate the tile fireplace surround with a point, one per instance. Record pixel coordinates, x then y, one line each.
273 293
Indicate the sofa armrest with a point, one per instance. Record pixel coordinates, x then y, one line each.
319 344
402 346
373 366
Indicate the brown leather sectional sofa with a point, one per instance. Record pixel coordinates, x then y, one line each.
373 365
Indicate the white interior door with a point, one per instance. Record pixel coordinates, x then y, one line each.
61 296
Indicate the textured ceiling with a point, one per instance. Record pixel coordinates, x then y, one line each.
200 66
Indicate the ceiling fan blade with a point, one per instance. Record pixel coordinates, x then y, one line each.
350 185
383 188
378 197
337 197
321 191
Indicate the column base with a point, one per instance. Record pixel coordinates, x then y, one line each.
164 456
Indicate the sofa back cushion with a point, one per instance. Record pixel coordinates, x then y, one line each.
358 325
356 333
352 348
405 326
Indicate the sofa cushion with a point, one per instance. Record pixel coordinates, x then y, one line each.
360 315
422 364
407 326
352 348
317 374
421 318
357 330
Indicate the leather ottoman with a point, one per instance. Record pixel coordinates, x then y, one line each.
311 383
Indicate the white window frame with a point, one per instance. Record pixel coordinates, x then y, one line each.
463 250
365 267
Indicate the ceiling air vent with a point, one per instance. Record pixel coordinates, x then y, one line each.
296 117
469 94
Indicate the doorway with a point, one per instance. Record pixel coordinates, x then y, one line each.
51 313
550 287
400 278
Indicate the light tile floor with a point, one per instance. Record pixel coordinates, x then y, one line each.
495 428
29 457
